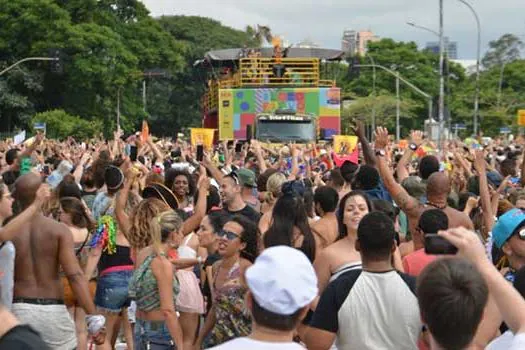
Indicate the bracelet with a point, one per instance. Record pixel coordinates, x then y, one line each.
95 323
199 260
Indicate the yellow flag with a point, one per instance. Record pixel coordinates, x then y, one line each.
344 144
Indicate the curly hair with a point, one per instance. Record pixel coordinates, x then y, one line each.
139 235
250 236
171 175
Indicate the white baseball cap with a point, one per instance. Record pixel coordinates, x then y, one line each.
282 280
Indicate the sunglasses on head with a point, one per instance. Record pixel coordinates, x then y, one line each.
230 236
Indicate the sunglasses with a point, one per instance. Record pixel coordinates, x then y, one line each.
230 236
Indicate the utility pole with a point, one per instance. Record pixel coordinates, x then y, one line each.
441 75
398 109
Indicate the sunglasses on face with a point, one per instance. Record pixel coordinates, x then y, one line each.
230 236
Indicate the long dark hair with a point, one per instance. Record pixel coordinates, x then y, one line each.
289 212
341 211
250 236
79 215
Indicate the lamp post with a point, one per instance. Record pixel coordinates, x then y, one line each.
412 24
399 78
26 60
374 93
478 59
441 107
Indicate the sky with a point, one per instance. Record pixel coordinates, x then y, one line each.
324 21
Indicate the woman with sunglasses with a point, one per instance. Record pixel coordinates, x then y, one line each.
237 245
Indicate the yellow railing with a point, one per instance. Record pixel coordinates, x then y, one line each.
267 72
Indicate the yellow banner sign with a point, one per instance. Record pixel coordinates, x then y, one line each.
344 144
521 117
202 136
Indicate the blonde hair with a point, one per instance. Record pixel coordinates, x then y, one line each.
273 187
163 226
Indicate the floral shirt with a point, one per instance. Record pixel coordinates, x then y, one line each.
232 318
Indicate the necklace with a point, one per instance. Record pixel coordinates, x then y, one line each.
436 205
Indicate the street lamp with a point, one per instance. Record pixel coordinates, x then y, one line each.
412 24
441 106
28 59
478 59
412 86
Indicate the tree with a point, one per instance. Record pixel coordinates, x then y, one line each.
199 35
260 34
421 68
60 125
504 50
385 111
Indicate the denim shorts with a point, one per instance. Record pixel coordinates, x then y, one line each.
152 335
112 291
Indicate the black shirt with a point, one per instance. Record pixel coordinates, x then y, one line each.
248 212
22 337
10 177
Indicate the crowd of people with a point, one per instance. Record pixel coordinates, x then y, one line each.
135 240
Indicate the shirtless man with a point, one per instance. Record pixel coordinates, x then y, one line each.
326 229
438 188
44 247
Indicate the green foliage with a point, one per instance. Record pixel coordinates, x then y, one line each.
384 107
60 125
505 49
111 46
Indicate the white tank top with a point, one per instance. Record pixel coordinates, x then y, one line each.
186 252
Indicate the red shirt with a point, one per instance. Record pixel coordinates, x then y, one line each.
416 261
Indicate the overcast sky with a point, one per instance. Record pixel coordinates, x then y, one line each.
297 20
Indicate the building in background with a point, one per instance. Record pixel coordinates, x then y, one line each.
356 42
451 48
468 65
307 44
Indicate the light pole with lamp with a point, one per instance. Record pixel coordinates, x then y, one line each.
478 59
441 107
412 24
412 86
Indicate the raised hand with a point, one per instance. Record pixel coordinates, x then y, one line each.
416 136
479 161
359 130
381 138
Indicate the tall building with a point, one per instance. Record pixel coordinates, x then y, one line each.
354 42
451 48
349 41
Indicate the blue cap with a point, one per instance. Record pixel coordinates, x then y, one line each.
506 225
494 178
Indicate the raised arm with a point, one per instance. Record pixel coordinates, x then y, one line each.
368 152
486 205
193 222
260 159
509 302
9 231
416 138
407 203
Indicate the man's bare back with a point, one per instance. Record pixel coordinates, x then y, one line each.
42 246
325 231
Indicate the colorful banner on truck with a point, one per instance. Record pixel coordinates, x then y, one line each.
238 107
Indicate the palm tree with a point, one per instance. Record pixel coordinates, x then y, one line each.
260 34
